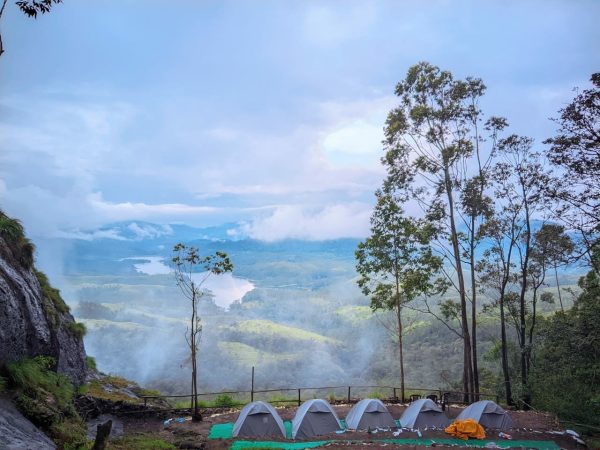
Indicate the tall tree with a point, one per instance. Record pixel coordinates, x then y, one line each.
522 181
187 262
396 264
576 149
496 275
432 140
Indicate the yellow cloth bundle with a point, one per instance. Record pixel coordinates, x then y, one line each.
465 429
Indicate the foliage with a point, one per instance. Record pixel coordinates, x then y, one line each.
576 149
566 376
186 261
76 329
396 264
32 8
36 377
224 401
11 230
3 382
90 363
432 157
70 434
52 302
139 442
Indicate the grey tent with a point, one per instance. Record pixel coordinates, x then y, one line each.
369 413
488 414
424 413
313 418
258 419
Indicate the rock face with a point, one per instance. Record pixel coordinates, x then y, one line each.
32 322
18 433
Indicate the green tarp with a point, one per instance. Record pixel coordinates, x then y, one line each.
224 430
540 445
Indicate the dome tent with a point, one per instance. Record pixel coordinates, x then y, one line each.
258 419
369 412
314 418
488 414
424 413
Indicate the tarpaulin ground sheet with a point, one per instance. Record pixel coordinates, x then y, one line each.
540 445
224 431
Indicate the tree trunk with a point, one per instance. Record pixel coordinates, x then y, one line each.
505 370
522 321
467 364
558 289
474 312
400 352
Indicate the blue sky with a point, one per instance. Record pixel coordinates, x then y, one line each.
267 113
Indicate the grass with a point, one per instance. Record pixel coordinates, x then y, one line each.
70 435
250 356
90 363
376 394
96 389
52 302
275 330
139 442
224 401
77 329
35 377
11 230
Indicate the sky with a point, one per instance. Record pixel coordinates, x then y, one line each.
268 114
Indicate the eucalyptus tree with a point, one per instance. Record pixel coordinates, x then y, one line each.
396 264
576 149
191 271
521 179
495 274
433 154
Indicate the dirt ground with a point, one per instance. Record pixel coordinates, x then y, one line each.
528 425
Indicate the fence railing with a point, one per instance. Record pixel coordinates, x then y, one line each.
348 394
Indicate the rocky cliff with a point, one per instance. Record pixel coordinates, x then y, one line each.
34 320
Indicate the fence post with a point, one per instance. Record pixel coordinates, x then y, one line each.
146 400
252 387
395 395
348 394
299 399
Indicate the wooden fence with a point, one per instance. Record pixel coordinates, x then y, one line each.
348 394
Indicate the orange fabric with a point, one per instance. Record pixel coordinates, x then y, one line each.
464 429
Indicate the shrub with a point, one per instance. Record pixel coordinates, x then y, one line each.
77 329
70 434
11 229
90 363
2 384
376 394
224 401
13 233
35 378
52 302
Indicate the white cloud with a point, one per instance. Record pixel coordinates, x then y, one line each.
82 165
298 222
148 231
